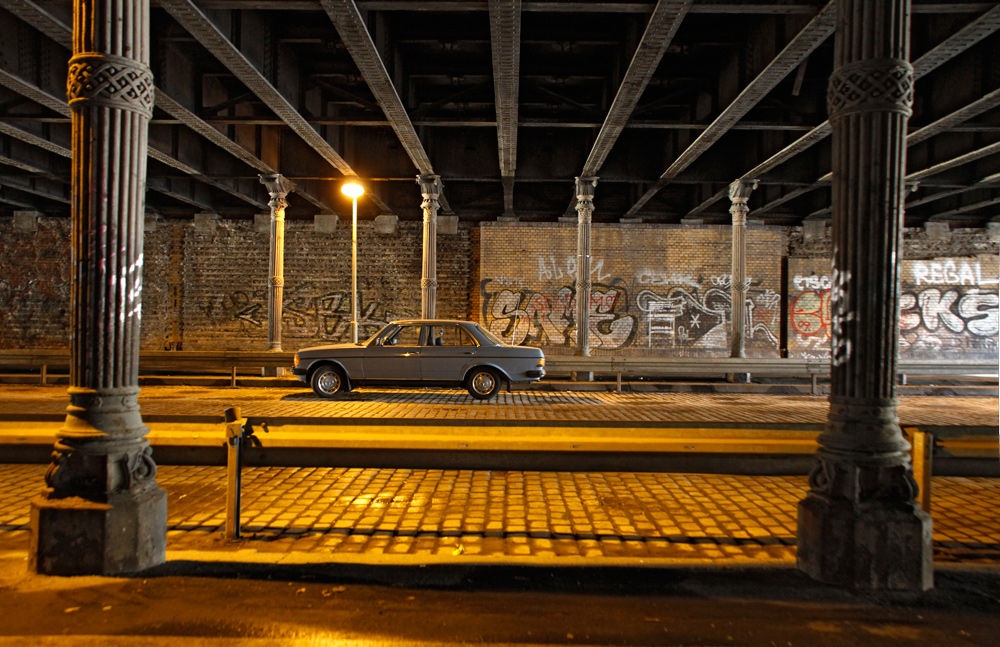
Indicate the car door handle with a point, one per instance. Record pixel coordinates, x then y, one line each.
468 352
410 354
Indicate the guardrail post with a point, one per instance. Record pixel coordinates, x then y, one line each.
234 444
45 373
232 378
922 451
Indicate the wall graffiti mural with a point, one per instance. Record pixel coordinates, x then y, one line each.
679 317
308 312
654 290
524 316
948 308
687 316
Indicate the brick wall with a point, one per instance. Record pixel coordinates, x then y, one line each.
948 306
657 289
35 284
207 289
226 272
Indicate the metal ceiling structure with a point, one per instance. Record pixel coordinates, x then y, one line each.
508 101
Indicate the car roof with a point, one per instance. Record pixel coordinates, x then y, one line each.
433 321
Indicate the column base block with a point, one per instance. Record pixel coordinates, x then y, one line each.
75 536
884 545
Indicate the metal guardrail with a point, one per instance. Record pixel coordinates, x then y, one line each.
230 361
764 367
155 360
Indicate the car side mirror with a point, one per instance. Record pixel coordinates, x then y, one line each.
390 342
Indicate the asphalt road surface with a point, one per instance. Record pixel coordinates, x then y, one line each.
223 604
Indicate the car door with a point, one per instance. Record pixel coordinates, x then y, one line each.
447 352
396 358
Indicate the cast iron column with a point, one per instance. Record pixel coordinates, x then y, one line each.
430 189
278 187
585 210
739 193
103 512
859 525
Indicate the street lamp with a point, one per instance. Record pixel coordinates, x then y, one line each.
354 191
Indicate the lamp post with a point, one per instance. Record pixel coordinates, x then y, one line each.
354 191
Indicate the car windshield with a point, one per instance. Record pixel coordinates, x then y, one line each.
490 336
372 338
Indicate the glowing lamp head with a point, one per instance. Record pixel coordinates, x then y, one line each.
352 190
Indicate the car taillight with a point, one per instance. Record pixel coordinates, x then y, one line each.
295 359
541 361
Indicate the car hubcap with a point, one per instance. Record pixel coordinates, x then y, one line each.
482 383
329 382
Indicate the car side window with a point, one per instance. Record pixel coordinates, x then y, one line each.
448 335
405 336
464 338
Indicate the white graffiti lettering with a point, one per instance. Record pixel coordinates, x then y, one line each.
812 282
652 277
840 316
947 273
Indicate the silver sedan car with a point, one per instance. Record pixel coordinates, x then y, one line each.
423 352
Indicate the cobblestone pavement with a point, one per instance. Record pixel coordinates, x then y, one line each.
380 515
577 407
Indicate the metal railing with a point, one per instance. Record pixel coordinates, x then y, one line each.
700 367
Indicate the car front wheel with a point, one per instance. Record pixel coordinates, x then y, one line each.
482 383
328 381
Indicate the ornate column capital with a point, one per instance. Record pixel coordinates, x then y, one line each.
430 186
739 194
740 190
278 187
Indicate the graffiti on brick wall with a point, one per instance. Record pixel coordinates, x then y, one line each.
308 312
682 315
525 316
689 315
948 306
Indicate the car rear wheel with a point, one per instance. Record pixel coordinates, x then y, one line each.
328 381
482 383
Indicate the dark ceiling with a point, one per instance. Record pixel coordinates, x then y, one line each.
507 101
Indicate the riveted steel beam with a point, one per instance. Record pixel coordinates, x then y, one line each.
505 36
58 31
974 109
954 45
48 189
988 182
351 27
663 24
965 209
593 6
798 50
205 32
962 40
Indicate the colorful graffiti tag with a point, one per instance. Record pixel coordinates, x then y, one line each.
525 316
948 306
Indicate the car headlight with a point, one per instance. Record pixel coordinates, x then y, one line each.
541 361
295 359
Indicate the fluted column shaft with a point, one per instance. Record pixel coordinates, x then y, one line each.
430 189
739 194
859 524
278 187
585 187
103 511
